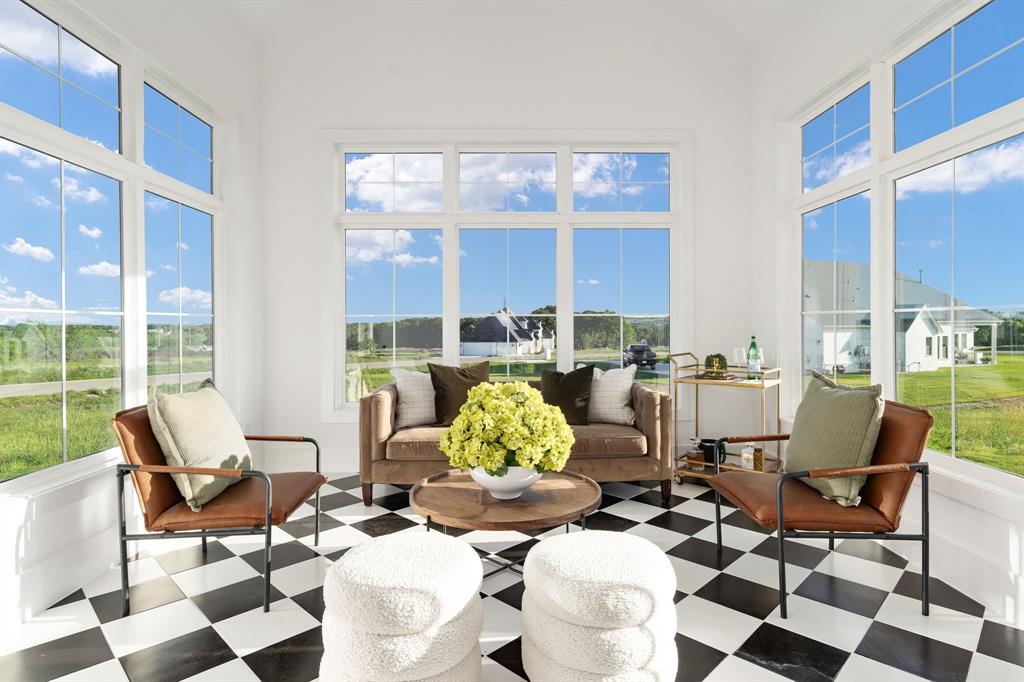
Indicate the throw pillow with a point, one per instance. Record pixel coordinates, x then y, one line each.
568 392
835 426
415 398
198 430
611 396
451 386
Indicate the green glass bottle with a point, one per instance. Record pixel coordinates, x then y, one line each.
754 359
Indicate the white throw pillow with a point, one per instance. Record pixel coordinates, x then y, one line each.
415 398
610 396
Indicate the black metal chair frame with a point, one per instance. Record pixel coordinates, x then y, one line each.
832 536
265 530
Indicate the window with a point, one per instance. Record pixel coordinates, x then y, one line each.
403 183
179 295
970 70
49 73
836 290
837 141
621 300
960 272
507 182
620 182
60 310
507 301
178 143
392 305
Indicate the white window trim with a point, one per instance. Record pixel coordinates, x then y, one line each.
879 177
336 142
136 179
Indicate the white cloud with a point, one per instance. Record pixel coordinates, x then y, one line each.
193 298
34 38
41 201
73 190
591 281
155 203
853 159
90 232
28 157
168 267
370 246
11 177
407 260
935 243
29 300
149 273
79 57
101 269
183 246
1001 162
20 247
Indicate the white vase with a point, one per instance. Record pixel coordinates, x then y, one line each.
507 487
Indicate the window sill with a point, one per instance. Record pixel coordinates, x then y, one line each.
60 475
989 490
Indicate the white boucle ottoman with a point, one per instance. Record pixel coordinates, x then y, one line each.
466 670
541 668
402 584
599 578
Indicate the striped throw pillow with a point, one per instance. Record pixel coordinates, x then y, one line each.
415 398
610 394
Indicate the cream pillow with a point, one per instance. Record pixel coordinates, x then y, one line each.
415 398
611 396
198 430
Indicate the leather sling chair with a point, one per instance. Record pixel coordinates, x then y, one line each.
783 503
250 507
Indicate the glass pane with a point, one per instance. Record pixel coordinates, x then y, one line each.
88 69
369 275
924 118
369 346
853 252
924 236
853 152
369 168
163 360
28 87
196 350
851 349
369 197
639 334
417 341
482 167
94 382
483 197
418 167
923 370
162 259
92 240
818 260
645 262
993 27
196 135
645 167
532 197
196 170
818 133
30 393
96 121
418 272
196 261
597 270
160 112
989 393
161 153
818 344
28 33
923 70
419 197
853 111
483 271
989 86
531 168
819 169
531 251
645 196
596 196
30 225
599 167
597 340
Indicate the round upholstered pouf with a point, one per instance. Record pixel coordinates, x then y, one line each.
542 668
599 578
600 650
402 584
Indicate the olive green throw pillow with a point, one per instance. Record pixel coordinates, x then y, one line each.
197 429
835 426
568 392
451 387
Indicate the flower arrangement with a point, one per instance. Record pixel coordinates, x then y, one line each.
502 425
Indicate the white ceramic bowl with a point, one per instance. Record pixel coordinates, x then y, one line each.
507 487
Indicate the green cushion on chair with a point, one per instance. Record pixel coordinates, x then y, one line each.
835 426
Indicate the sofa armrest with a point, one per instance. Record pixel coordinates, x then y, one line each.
376 424
654 419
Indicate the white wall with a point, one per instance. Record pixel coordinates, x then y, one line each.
509 65
58 538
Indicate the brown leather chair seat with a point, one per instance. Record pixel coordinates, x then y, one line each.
242 504
754 494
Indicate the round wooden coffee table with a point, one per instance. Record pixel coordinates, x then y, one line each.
453 499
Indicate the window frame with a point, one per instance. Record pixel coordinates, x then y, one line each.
128 168
337 142
880 176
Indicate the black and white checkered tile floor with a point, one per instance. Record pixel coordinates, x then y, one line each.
854 613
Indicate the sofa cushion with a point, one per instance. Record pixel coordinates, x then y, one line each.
416 443
451 387
605 440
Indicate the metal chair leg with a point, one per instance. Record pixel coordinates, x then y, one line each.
831 543
925 543
204 542
123 531
780 525
316 520
718 519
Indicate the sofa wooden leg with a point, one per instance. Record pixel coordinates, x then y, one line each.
666 492
367 494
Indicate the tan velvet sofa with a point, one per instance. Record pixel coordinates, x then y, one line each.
604 452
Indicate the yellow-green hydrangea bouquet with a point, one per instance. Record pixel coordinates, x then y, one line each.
507 436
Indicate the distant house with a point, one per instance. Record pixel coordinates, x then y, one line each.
508 334
926 338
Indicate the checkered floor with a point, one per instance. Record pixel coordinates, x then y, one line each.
853 614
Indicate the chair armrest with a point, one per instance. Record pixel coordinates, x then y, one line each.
764 437
375 425
653 411
842 472
291 439
199 471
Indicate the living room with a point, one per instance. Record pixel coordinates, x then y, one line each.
334 210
